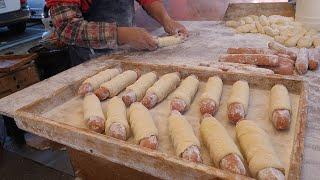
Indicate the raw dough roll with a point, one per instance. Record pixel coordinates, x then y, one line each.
141 122
142 84
187 89
257 147
117 84
210 99
217 140
280 100
165 85
92 113
116 113
181 133
213 90
169 40
95 81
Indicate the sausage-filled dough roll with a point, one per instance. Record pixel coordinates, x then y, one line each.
137 90
238 101
92 112
117 124
183 95
184 141
93 83
257 148
161 89
280 107
169 40
143 127
116 85
210 99
221 146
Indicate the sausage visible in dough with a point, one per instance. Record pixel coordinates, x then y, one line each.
161 89
117 119
116 85
139 88
217 140
280 103
238 101
141 122
92 83
181 133
257 148
92 113
210 99
185 92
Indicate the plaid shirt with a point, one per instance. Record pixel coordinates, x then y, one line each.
72 29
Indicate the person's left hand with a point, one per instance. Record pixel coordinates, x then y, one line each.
173 27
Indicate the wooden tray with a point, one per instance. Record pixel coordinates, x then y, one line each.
9 63
60 118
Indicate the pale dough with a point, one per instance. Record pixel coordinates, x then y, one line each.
103 76
281 39
141 122
264 20
271 31
233 24
257 148
181 133
279 98
240 94
187 89
305 42
92 107
217 140
142 84
121 81
116 113
213 90
248 19
316 41
260 28
292 41
169 40
165 85
244 28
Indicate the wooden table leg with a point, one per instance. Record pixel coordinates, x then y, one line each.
89 167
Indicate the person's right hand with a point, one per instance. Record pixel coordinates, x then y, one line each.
137 38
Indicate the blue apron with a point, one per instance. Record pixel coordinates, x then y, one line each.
119 11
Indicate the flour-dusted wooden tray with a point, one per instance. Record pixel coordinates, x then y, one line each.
60 118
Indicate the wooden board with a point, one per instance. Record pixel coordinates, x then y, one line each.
236 10
9 63
58 117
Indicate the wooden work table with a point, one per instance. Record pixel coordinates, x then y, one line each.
207 40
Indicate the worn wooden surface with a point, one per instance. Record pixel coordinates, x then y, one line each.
9 63
213 39
62 111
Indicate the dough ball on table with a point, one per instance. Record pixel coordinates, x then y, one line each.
117 124
281 39
305 42
316 41
161 89
238 102
221 146
292 41
248 19
259 27
137 90
270 31
143 126
184 141
92 113
182 97
210 98
280 107
116 85
257 149
264 21
92 83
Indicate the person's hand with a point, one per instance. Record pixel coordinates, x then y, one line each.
173 27
137 38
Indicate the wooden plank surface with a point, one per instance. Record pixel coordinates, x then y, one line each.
213 39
